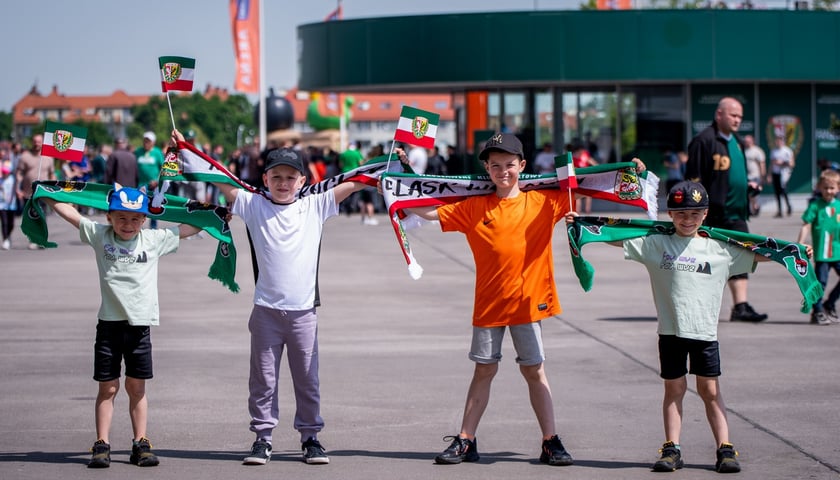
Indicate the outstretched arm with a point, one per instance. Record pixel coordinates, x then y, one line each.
343 190
65 211
185 230
426 213
571 217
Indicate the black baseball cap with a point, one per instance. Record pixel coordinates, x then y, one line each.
688 195
502 142
284 156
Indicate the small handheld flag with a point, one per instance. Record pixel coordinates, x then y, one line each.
177 73
63 141
417 127
566 172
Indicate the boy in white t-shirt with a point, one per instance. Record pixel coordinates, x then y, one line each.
286 234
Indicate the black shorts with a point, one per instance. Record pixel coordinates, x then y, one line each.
116 341
736 224
703 357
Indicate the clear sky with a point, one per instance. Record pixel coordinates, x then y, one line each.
93 47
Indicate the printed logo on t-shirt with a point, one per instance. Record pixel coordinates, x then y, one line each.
684 263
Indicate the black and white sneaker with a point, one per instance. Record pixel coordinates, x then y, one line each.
554 453
314 453
460 450
260 453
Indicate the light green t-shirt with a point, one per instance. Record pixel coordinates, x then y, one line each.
824 218
128 271
148 165
688 276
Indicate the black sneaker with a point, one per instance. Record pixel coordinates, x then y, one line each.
141 454
460 450
314 453
670 460
743 312
101 457
727 459
553 452
260 453
831 313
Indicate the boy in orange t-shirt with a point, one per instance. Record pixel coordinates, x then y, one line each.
509 233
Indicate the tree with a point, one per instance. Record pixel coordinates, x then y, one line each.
215 120
5 125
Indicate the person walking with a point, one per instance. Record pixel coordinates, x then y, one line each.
716 160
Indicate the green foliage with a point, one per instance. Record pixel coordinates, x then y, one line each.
215 121
5 125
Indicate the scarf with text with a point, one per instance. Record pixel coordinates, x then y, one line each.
604 229
615 182
208 217
190 164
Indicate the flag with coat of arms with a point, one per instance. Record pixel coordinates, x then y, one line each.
566 171
417 127
63 141
177 73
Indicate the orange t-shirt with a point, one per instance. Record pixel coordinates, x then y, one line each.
511 243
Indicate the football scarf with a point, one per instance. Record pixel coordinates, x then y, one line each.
603 229
615 182
210 218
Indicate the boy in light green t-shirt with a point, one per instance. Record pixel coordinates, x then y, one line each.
127 258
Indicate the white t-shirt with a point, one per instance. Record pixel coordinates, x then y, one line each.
755 159
418 159
286 241
128 271
688 276
544 162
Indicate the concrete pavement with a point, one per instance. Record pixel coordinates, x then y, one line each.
394 370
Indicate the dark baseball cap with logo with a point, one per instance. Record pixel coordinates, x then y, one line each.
284 156
688 195
502 142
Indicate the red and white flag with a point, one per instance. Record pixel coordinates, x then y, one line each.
417 127
566 172
335 15
177 73
63 141
245 24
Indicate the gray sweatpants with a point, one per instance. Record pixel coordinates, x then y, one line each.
272 331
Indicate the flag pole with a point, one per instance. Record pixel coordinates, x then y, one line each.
171 115
263 128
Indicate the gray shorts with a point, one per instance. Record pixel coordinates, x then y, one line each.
527 341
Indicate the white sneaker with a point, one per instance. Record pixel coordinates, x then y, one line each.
371 221
7 244
33 246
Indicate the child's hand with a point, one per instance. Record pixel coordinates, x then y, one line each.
570 216
402 156
176 137
640 165
809 250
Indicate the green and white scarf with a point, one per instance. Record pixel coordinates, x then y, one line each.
604 229
208 217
